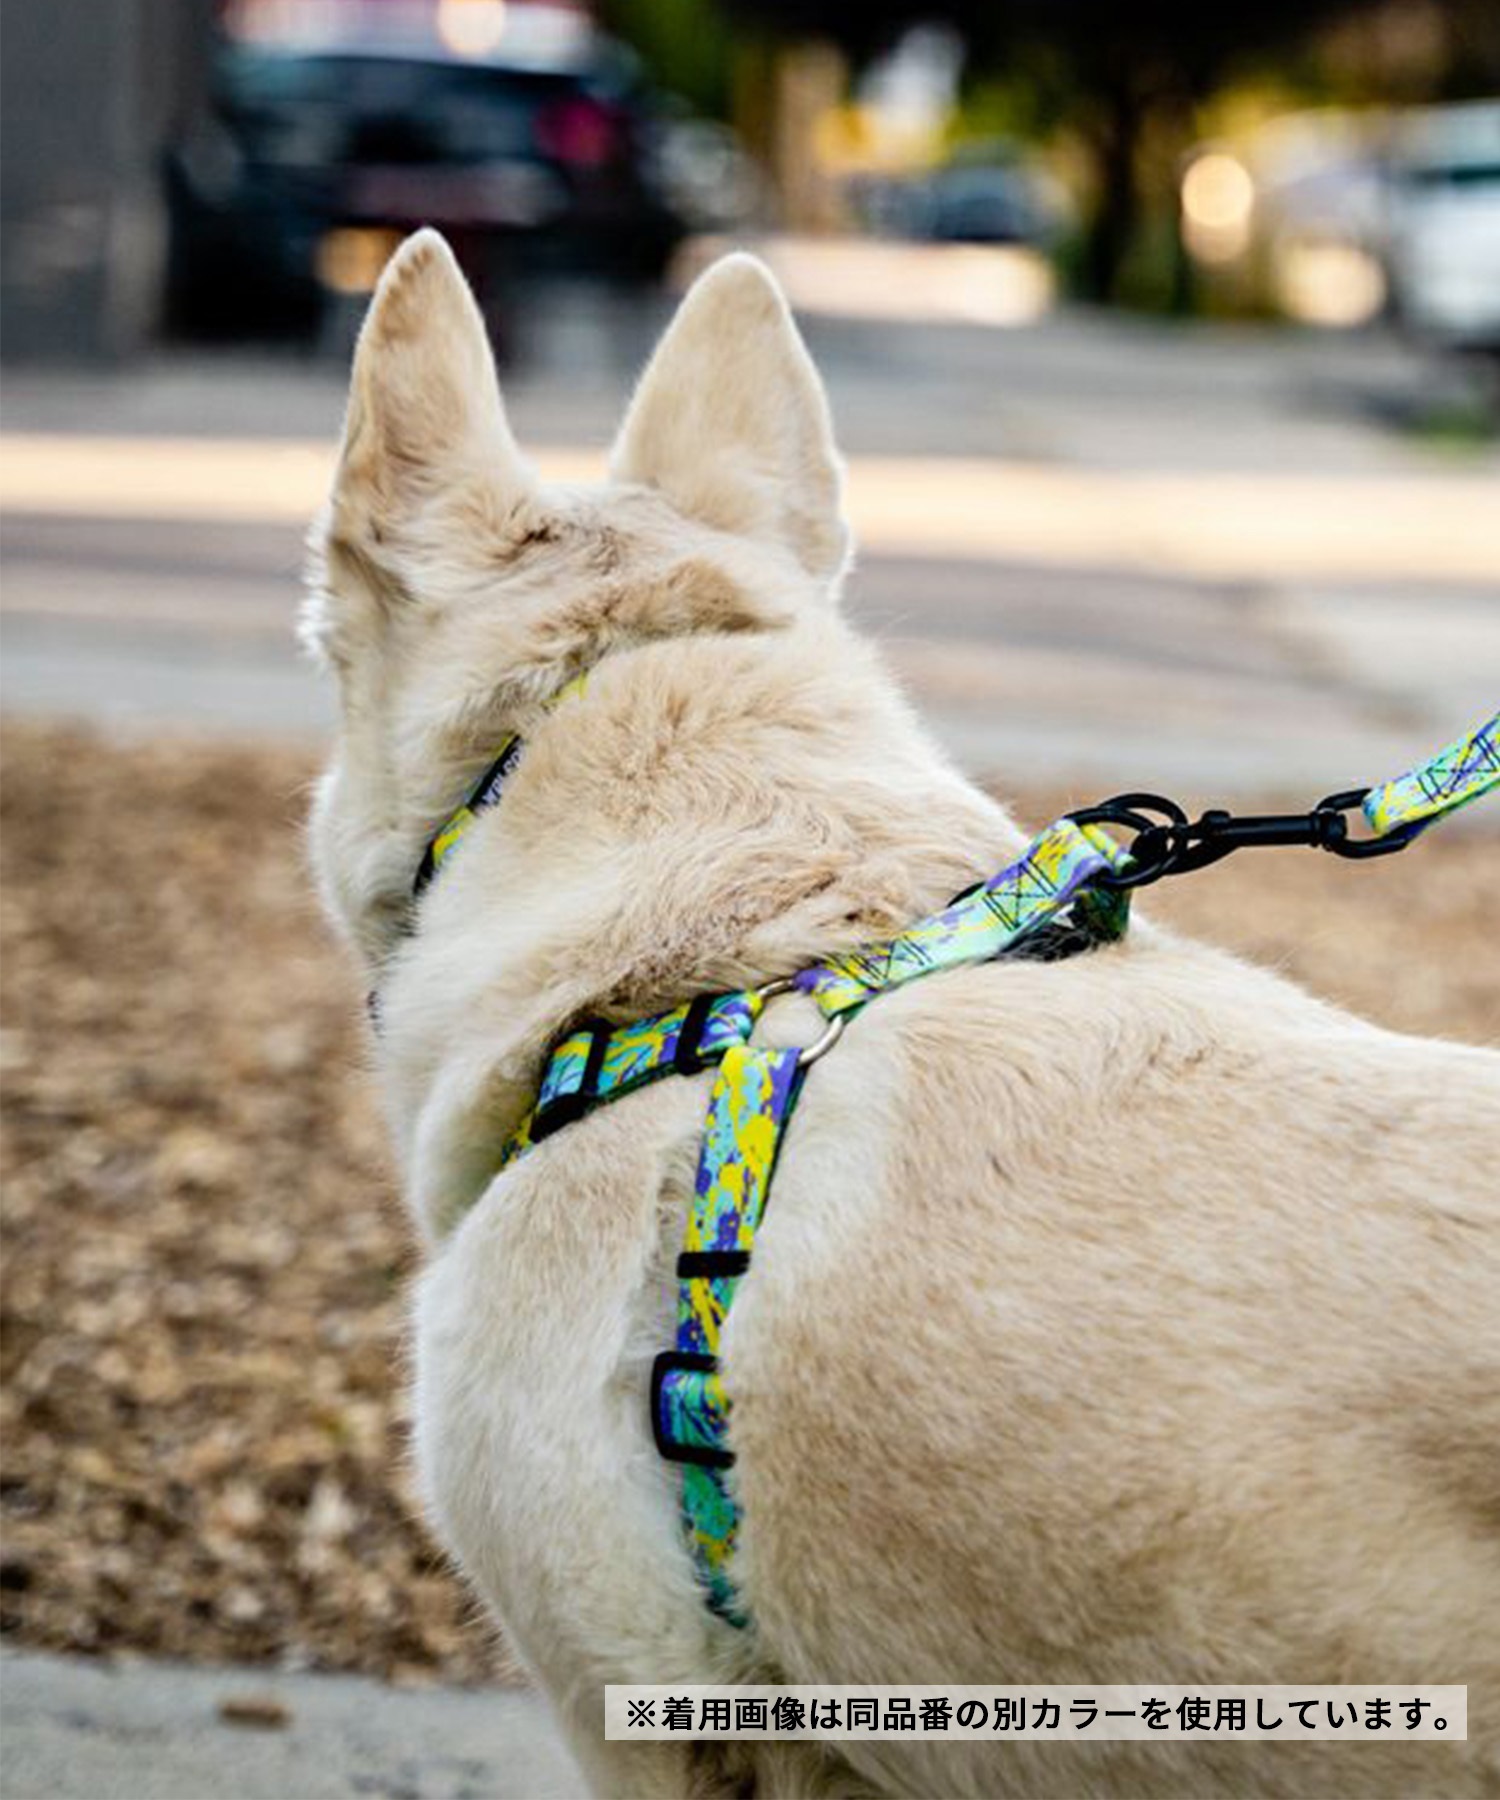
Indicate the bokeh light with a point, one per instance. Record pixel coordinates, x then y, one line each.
351 258
471 27
1329 283
1218 202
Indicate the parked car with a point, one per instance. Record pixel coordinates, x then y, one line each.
977 202
1444 239
315 159
987 193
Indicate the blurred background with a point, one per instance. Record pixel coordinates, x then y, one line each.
1164 344
1164 340
240 168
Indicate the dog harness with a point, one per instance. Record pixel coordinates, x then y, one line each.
1068 892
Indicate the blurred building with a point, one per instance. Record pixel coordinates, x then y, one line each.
241 168
89 90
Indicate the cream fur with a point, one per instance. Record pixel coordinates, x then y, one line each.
1130 1319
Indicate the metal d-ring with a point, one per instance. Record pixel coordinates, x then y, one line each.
832 1031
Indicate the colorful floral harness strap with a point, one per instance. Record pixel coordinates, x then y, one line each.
1069 891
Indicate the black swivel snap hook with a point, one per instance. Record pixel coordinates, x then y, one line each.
1159 843
1172 844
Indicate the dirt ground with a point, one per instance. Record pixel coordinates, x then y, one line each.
202 1419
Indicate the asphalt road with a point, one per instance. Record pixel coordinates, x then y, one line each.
1030 672
1101 553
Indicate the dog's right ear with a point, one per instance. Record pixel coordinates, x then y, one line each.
730 421
428 468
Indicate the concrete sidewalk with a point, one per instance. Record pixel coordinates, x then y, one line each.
72 1729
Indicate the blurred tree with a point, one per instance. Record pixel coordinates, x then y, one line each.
683 42
1129 77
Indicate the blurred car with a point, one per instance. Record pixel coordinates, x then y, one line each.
1337 217
708 178
987 198
1443 250
315 159
987 194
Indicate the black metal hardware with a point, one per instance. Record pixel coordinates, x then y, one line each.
1172 844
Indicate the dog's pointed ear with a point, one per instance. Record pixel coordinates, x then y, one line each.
730 421
425 422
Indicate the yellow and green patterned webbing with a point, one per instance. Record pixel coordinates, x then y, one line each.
485 793
1458 774
1057 868
751 1101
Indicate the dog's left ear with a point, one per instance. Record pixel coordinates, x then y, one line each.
428 474
730 421
428 460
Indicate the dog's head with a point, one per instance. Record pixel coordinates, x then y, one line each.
453 594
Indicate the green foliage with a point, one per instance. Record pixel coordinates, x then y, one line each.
686 44
860 28
1023 100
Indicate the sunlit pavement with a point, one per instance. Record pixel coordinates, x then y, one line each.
1218 525
905 283
80 1729
1097 551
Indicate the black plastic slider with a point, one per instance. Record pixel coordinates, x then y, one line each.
669 1363
687 1058
567 1108
711 1265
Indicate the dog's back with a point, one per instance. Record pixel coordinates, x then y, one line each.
1195 1287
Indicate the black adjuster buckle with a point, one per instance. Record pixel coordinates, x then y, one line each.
567 1108
686 1056
691 1363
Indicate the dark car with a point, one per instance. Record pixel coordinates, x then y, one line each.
313 161
988 193
995 205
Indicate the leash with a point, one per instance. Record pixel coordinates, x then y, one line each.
1396 813
1069 892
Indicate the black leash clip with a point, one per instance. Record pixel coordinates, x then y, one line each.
1167 842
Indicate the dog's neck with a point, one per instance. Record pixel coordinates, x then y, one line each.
710 813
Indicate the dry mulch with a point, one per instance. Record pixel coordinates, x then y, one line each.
203 1430
203 1425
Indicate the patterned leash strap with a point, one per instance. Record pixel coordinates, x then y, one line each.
1459 774
1167 842
1066 863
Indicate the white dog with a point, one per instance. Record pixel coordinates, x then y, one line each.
1133 1318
